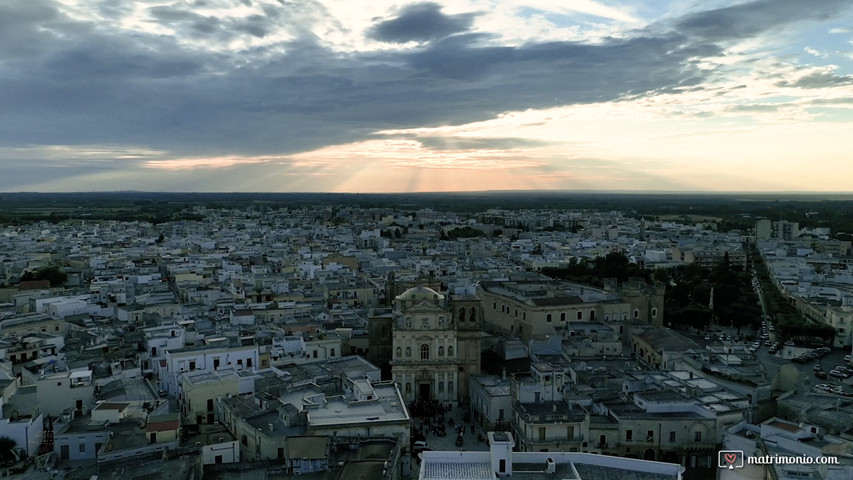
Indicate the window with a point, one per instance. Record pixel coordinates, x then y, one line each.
450 351
636 313
408 387
650 436
215 363
580 315
462 314
332 352
440 351
450 387
82 448
315 353
209 404
672 436
494 307
516 313
408 351
541 434
698 437
629 435
249 362
399 352
425 352
472 314
548 317
654 312
244 441
192 366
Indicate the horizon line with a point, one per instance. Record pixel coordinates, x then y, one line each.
458 192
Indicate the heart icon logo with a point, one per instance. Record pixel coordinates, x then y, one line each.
731 457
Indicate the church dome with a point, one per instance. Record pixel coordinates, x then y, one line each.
420 292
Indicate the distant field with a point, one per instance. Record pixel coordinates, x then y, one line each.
736 211
693 218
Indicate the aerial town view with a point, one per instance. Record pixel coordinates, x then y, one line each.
426 240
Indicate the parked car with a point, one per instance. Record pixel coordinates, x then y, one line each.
823 386
821 374
848 359
767 343
817 367
838 374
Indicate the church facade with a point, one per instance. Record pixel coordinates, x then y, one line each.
435 345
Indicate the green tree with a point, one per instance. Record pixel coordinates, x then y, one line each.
6 446
54 275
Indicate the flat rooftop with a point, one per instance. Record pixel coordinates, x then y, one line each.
532 466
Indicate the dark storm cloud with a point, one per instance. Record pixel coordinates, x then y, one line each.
754 108
22 27
87 87
818 80
223 29
420 22
444 143
752 18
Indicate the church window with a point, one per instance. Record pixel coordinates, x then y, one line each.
450 351
440 351
399 352
425 352
408 351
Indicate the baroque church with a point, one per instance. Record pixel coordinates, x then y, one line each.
436 343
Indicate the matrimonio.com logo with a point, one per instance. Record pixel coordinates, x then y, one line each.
730 459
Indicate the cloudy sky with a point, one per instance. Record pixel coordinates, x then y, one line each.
388 96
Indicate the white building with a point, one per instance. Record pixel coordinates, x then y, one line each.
501 462
207 358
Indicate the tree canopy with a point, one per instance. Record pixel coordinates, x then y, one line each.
54 275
